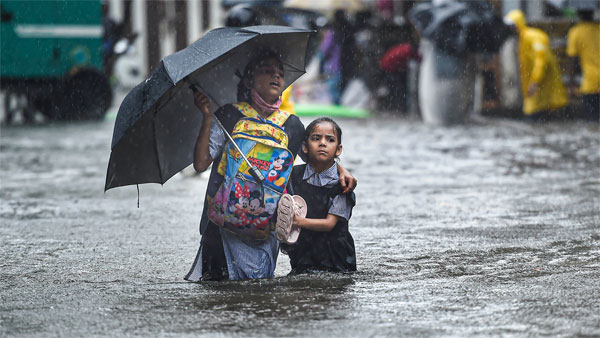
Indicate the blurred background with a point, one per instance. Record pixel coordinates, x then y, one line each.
70 59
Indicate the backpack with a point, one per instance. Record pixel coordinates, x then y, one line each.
241 204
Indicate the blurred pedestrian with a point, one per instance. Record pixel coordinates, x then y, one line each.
541 81
114 31
583 42
334 40
363 48
394 64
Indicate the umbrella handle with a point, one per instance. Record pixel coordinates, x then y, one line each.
256 174
252 168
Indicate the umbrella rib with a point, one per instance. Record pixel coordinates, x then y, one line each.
160 172
292 66
203 91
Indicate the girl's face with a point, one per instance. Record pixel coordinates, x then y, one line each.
268 80
322 145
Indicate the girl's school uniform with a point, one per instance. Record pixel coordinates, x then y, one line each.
224 255
322 251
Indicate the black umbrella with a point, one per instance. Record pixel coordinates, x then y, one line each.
157 124
575 4
460 27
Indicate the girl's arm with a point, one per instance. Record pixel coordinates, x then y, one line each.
347 181
202 158
316 224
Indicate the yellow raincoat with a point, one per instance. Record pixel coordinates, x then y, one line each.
584 41
286 102
537 65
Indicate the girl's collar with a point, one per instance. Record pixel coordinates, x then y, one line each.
326 176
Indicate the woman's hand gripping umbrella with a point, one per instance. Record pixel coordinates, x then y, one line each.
202 102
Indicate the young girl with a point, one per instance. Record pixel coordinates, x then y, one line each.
324 244
222 254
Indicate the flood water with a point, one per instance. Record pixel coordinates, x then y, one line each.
486 229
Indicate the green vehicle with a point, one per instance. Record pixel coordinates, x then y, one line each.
51 52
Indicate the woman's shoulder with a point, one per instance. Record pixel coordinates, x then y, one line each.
228 115
295 131
293 121
294 128
227 112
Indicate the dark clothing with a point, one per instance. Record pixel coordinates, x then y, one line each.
395 63
396 59
214 263
541 116
591 103
321 251
395 100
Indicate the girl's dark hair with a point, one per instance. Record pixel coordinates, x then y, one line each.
243 93
313 125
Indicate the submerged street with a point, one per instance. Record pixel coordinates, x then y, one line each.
488 228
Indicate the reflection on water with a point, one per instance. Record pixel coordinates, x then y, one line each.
485 229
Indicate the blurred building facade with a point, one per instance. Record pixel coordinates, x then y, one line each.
163 27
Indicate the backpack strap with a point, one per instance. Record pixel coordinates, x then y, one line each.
295 176
268 131
278 117
228 115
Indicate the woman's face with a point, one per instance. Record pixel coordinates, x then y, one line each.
268 80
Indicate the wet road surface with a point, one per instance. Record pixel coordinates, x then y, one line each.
487 229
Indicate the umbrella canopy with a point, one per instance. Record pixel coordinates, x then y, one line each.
460 27
326 5
157 123
575 4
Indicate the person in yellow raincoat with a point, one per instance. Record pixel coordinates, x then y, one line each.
286 101
541 81
583 41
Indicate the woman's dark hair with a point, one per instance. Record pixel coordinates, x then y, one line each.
313 125
243 93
